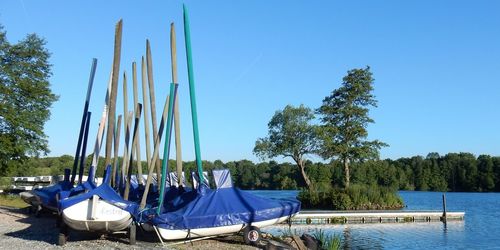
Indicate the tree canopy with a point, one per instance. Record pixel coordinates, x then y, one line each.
458 172
344 117
290 134
25 98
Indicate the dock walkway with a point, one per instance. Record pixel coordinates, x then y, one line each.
372 216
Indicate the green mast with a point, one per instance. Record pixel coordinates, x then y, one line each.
192 95
166 150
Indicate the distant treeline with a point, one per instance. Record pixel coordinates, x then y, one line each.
461 172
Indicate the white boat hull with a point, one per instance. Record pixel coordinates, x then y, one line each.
30 198
100 216
169 234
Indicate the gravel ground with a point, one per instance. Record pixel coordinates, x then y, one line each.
19 230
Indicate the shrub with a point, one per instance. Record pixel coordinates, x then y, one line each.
5 182
357 197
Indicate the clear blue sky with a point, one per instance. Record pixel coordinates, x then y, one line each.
436 66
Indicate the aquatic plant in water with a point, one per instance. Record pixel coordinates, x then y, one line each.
328 241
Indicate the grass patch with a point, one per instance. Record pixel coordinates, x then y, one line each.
328 242
12 200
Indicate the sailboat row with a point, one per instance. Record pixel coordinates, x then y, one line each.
159 200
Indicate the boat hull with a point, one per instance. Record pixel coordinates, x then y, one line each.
30 198
35 201
169 234
105 217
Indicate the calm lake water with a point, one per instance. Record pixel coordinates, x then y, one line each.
479 230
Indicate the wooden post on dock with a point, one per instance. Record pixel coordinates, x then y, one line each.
444 209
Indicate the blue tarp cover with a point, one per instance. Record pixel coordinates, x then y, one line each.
81 187
48 194
204 208
105 192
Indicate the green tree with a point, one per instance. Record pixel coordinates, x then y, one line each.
25 98
486 175
496 172
246 178
345 118
290 134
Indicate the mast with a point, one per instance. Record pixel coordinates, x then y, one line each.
116 147
149 65
156 150
84 147
145 112
166 150
192 94
137 137
114 88
134 136
126 126
128 123
102 124
178 150
84 118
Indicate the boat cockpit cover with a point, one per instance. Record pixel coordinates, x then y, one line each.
223 207
81 187
222 178
174 181
195 179
105 192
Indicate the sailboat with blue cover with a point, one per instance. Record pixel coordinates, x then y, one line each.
204 211
101 208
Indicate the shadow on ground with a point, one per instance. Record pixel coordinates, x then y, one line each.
43 228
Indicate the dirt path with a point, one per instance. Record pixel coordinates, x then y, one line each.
19 230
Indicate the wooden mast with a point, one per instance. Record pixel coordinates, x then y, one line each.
114 88
178 150
102 124
137 137
126 127
128 123
134 136
156 151
145 112
116 147
152 99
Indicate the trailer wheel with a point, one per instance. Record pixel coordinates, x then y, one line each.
251 235
63 234
132 229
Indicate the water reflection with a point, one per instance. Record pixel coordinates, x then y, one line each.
386 236
347 238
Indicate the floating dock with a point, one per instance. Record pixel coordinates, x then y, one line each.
386 216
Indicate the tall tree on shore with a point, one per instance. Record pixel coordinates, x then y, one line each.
25 98
344 117
290 134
